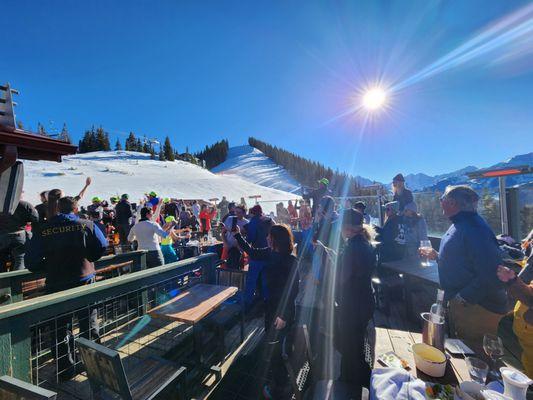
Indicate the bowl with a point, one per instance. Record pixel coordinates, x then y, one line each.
430 360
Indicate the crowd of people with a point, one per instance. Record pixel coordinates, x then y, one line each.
322 279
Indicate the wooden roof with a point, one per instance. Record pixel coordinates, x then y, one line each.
34 147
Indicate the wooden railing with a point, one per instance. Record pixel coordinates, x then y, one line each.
17 319
11 283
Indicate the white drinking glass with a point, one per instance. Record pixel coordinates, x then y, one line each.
425 247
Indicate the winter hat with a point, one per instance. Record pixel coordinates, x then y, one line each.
256 210
170 218
352 217
324 181
392 204
411 206
398 178
360 205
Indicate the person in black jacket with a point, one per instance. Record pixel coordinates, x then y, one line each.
282 285
66 247
392 234
401 194
13 235
355 302
123 215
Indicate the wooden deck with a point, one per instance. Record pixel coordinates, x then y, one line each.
147 337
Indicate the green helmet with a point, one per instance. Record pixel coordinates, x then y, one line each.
324 181
125 196
113 198
153 194
166 200
96 199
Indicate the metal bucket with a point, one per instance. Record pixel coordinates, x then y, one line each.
433 333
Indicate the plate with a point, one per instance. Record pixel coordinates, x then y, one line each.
457 346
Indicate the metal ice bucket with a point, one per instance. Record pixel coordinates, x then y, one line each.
433 333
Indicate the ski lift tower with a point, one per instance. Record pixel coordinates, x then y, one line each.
501 174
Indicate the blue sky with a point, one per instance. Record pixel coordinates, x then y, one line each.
283 71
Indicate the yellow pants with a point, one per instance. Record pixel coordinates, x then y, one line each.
470 322
524 333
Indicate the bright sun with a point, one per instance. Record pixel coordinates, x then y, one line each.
374 98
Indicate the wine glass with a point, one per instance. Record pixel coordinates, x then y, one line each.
493 347
425 247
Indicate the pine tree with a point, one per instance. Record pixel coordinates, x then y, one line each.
161 155
102 140
64 135
169 152
118 146
139 146
131 143
215 154
152 153
40 129
146 146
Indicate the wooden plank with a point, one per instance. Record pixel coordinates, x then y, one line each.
401 344
195 303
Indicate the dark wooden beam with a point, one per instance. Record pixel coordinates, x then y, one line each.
33 147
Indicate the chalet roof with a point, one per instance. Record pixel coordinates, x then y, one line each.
34 147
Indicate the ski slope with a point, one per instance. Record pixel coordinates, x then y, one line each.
252 165
118 172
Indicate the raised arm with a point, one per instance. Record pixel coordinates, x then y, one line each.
88 182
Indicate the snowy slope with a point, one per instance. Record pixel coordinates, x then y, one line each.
118 172
252 165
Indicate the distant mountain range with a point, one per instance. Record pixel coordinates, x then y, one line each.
423 182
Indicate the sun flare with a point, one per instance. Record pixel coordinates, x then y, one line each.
374 99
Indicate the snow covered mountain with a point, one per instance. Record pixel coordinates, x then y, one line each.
253 166
439 182
117 172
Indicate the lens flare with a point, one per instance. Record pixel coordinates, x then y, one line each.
374 99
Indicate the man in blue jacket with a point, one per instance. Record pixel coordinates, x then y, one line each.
257 231
468 260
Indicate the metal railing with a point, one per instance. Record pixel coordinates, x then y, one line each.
32 331
11 283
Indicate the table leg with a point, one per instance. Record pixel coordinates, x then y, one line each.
407 298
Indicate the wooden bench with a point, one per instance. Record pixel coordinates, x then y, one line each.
152 378
15 389
31 289
114 270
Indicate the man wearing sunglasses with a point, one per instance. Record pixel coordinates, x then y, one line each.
468 260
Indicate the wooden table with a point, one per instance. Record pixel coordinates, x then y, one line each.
412 268
413 274
401 341
194 304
